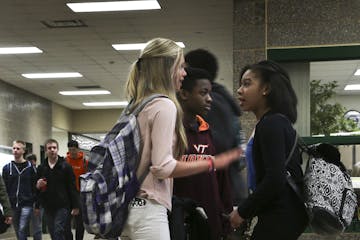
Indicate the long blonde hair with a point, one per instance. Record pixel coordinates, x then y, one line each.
153 73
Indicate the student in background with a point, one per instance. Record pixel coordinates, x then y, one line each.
36 218
19 177
79 164
203 188
58 195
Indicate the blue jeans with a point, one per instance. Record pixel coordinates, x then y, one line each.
57 222
36 224
21 221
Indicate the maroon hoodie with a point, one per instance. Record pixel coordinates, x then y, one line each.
202 188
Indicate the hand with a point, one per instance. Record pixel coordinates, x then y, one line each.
36 211
41 183
235 219
223 160
8 220
74 211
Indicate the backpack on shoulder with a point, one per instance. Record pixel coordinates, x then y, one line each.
111 183
328 195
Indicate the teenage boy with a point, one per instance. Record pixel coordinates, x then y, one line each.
20 176
203 188
58 195
223 118
77 161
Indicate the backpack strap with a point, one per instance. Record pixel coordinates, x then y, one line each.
289 178
142 104
135 112
292 149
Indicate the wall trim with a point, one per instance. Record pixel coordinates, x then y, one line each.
325 53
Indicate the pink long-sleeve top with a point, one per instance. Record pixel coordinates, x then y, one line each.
157 129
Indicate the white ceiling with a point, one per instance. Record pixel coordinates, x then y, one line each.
340 71
199 24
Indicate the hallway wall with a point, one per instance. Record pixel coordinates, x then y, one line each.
23 116
260 25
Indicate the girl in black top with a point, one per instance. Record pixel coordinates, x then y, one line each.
265 90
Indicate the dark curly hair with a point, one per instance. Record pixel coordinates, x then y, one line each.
281 98
193 74
201 58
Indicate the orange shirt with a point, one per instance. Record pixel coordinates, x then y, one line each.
79 165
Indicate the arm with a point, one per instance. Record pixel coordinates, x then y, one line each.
5 175
34 179
4 200
74 195
221 161
162 134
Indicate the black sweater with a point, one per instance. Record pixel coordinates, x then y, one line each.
61 191
273 140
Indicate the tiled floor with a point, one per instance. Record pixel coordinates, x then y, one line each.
10 235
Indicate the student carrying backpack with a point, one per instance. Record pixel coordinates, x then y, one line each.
107 189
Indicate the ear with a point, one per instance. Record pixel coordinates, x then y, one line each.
183 94
266 89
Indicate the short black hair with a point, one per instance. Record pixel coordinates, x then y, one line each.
193 74
73 143
31 157
281 98
201 58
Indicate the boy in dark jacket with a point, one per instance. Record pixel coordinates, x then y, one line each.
203 188
223 118
58 195
20 176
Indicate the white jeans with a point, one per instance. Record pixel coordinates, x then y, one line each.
146 222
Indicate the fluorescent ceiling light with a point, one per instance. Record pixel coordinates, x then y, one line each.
351 87
114 6
19 50
357 73
52 75
101 104
89 92
136 46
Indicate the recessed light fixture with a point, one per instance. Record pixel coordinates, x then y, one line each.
78 93
136 46
103 104
52 75
352 87
114 6
357 73
19 50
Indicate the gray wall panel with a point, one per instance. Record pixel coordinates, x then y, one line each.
23 116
